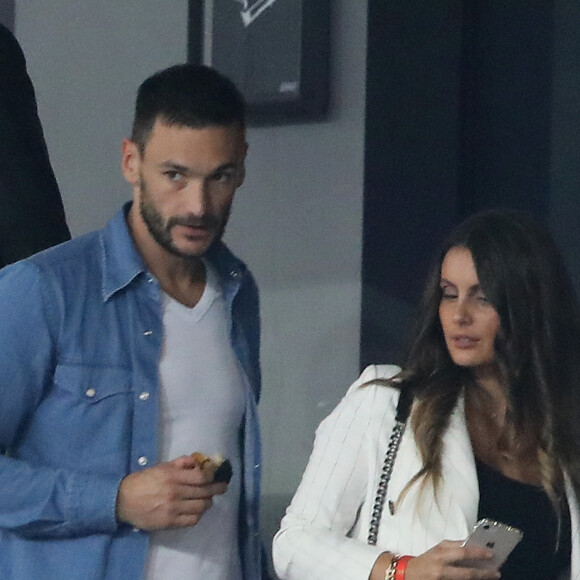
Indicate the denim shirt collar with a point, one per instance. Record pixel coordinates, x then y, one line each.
122 262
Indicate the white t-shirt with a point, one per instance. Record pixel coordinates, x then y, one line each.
202 408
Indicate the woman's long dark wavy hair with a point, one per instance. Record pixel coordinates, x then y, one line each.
523 276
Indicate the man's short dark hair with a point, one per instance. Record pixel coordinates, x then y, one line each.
189 96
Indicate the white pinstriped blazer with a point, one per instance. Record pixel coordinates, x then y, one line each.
323 534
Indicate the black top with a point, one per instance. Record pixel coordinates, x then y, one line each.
527 507
32 216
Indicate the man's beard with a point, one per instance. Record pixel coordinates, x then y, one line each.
161 231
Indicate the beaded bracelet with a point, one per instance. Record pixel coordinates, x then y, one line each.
401 567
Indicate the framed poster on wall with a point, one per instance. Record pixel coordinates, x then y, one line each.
276 51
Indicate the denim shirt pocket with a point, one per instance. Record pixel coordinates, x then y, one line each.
89 412
93 383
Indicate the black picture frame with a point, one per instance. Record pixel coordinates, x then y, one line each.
276 51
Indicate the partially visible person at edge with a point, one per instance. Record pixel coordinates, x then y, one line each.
32 216
494 429
129 348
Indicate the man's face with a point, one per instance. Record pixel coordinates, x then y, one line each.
184 184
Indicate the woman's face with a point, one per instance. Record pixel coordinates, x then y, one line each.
470 323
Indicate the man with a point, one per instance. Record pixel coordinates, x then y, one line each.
32 216
126 350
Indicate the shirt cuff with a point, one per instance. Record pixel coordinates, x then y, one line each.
94 503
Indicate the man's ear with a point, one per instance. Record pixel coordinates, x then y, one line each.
242 169
130 161
241 175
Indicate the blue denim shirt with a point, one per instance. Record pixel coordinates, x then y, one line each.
81 337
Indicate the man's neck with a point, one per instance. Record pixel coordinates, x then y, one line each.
184 283
182 278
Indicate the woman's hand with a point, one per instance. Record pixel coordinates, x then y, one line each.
452 561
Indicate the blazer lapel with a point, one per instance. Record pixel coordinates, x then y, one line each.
459 472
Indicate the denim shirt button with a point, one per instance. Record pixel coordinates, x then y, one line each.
148 333
142 461
143 396
90 393
135 530
234 273
257 466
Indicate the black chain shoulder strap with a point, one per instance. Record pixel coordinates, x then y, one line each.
403 409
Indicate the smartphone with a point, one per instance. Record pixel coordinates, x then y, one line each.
500 538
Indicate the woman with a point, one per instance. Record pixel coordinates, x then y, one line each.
494 428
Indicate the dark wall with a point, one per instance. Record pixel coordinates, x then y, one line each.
411 164
467 103
565 142
506 105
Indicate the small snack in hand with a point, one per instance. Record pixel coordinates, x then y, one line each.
221 468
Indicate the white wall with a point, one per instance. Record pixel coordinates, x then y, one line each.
7 13
297 220
86 60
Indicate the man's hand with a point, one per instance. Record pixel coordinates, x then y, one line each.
170 495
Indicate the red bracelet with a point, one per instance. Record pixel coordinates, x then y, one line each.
401 567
